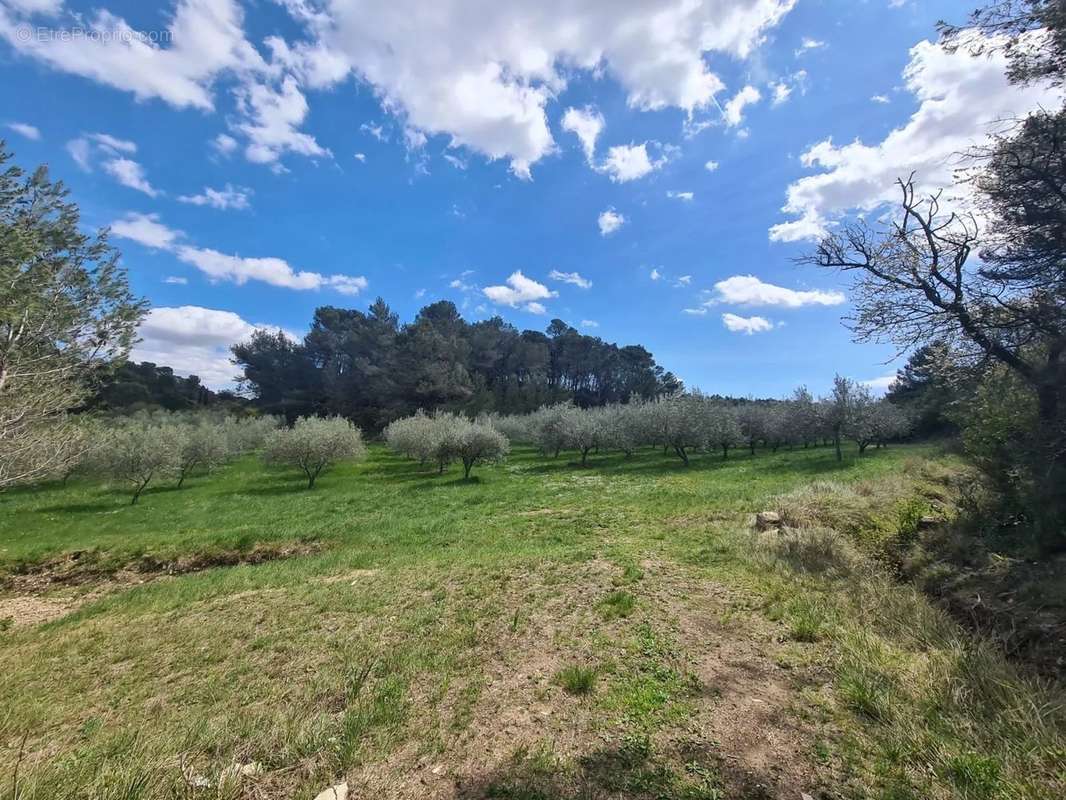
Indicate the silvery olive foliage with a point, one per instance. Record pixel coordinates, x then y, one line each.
138 452
444 438
314 443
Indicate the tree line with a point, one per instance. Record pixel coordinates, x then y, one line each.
371 369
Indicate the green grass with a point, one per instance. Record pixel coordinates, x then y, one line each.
424 627
577 679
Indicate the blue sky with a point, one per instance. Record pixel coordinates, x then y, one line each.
357 149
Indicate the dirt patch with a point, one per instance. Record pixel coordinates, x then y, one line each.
80 568
25 610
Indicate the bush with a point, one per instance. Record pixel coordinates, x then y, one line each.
313 444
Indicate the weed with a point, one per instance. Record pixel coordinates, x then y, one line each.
577 680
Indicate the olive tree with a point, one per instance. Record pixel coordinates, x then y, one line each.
205 447
138 452
475 443
65 309
721 428
583 431
314 443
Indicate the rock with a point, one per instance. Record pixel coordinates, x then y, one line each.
252 770
338 792
765 520
927 523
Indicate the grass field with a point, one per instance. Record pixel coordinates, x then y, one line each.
542 631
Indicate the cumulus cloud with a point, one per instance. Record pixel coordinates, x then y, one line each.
146 229
610 221
194 341
680 195
711 166
176 280
655 275
520 291
483 74
205 39
570 277
733 112
961 98
480 74
131 174
628 162
274 116
747 290
24 129
223 199
746 325
224 144
587 124
589 323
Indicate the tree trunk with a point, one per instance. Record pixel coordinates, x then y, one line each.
836 444
725 451
468 464
140 489
181 478
681 452
584 455
753 447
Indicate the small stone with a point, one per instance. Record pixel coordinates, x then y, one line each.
338 792
252 770
926 523
765 520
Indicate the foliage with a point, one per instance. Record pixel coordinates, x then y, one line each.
128 387
371 369
314 443
138 452
65 309
444 438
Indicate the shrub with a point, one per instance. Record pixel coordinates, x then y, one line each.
313 444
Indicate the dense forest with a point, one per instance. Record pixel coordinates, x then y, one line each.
369 368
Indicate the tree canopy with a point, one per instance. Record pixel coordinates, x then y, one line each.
370 368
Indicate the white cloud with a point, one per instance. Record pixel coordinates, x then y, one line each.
655 275
377 131
113 144
146 229
808 44
79 150
176 280
684 280
273 116
881 384
746 325
25 129
880 98
589 323
610 221
223 199
587 124
781 92
480 74
29 7
695 312
680 195
194 341
747 290
361 157
628 162
483 74
224 144
961 98
711 166
205 39
131 174
783 89
520 290
570 277
274 271
734 108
